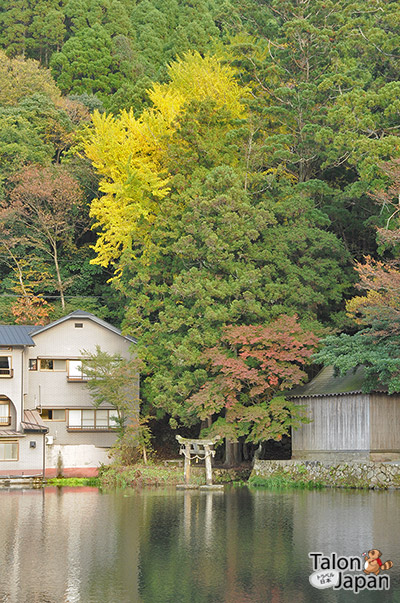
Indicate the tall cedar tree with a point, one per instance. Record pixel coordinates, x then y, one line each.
328 73
222 260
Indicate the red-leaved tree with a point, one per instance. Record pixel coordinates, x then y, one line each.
379 306
41 216
250 369
33 310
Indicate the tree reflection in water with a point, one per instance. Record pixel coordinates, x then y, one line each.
158 546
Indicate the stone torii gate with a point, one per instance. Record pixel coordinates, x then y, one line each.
199 450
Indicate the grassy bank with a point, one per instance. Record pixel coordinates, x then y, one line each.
152 474
282 482
139 475
136 476
73 481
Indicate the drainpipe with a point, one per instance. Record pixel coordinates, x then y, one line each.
44 455
22 384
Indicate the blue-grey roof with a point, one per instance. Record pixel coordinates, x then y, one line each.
83 314
16 335
328 383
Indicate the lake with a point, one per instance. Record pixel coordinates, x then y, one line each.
155 546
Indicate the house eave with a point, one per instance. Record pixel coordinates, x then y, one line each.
82 315
328 395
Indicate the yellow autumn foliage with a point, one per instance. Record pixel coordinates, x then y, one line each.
130 153
127 153
198 78
360 303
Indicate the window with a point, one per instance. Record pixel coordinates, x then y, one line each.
8 450
5 366
5 418
99 419
33 364
75 372
79 325
53 414
50 364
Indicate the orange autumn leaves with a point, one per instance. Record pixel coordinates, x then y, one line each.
250 368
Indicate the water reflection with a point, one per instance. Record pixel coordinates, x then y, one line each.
81 546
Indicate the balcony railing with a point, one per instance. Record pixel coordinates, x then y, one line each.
91 427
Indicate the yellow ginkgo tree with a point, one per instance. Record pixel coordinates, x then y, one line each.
130 153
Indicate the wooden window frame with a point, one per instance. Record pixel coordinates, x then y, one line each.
54 420
52 370
71 379
4 402
2 441
33 364
10 373
94 428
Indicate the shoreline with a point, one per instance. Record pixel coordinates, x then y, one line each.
290 474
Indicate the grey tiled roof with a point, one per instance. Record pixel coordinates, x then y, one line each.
326 383
16 335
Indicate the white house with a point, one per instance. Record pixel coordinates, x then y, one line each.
47 418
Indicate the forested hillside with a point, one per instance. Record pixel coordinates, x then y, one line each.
219 177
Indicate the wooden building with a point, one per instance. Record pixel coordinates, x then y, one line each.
347 424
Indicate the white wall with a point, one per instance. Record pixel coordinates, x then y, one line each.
52 389
13 387
78 455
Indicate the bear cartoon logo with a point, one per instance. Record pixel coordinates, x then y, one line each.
373 563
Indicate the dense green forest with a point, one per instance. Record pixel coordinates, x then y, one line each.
220 178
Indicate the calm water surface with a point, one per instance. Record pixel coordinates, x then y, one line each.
79 545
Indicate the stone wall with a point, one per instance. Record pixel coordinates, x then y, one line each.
375 476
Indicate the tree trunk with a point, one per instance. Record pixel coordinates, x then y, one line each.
258 452
228 453
237 453
246 451
59 281
19 272
233 454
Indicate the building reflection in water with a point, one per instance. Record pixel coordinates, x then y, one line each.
157 546
63 547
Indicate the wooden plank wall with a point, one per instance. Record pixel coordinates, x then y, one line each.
385 422
339 423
